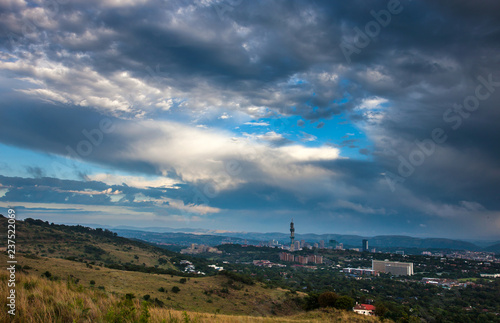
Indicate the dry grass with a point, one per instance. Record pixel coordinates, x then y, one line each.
41 300
249 300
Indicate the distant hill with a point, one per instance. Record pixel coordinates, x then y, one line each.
83 244
355 240
494 248
186 236
183 239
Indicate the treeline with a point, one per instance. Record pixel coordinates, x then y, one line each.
73 228
242 278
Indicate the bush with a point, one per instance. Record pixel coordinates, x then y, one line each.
92 282
245 279
311 302
47 274
176 289
327 299
182 281
146 297
161 289
344 303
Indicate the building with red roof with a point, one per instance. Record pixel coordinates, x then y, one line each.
364 309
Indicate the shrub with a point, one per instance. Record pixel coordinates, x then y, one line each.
327 299
344 303
176 289
161 289
29 285
182 281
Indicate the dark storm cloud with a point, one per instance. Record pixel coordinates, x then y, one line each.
282 56
48 190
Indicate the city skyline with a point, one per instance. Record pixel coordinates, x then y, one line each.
364 118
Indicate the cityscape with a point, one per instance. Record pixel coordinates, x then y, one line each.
206 161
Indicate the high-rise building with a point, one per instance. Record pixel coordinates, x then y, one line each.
302 260
297 245
292 233
284 256
315 259
322 244
302 243
393 267
365 246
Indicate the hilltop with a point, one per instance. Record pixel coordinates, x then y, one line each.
87 245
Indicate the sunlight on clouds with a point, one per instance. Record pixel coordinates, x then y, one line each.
301 153
134 181
3 191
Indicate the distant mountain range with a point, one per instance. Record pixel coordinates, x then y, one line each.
186 236
178 238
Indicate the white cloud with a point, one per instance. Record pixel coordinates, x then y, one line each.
372 103
308 137
202 155
133 181
260 124
301 153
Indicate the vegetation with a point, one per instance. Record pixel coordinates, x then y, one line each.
42 300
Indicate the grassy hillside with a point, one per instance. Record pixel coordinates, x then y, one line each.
82 244
205 294
73 272
43 300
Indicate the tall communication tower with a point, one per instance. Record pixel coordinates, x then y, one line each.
292 232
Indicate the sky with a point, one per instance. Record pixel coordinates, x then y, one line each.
352 117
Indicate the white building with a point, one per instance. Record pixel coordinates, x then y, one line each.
393 267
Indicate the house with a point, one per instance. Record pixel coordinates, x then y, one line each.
364 309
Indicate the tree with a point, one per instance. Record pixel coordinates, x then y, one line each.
344 303
327 299
311 302
380 309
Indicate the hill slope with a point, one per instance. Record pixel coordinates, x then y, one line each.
94 246
42 300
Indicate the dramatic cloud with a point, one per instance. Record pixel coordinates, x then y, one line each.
381 113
